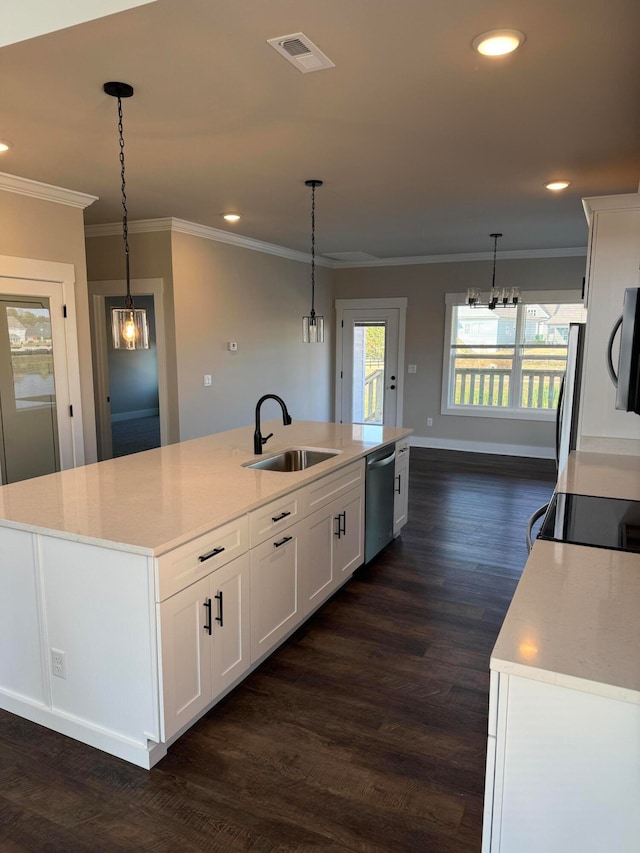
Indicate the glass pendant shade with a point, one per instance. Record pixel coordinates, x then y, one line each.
312 329
130 328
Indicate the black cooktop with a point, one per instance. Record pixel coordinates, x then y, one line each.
588 520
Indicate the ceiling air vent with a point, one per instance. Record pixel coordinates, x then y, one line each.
301 52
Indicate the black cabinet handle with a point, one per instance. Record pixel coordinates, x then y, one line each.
218 597
282 541
399 489
207 607
337 532
403 450
342 524
211 554
282 515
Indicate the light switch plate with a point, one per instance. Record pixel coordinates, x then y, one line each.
413 368
208 381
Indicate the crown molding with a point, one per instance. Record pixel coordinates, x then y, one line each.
181 226
516 254
610 202
46 192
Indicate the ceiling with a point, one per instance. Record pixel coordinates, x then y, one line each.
425 147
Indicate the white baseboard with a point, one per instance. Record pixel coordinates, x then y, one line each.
131 416
483 447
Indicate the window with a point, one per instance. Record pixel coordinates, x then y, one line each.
508 362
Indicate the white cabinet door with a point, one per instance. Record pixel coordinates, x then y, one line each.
276 600
319 580
566 771
335 547
231 652
348 551
614 260
205 642
185 625
401 487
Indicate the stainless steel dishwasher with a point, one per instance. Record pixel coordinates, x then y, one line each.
378 505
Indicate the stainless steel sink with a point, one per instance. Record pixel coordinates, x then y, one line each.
294 459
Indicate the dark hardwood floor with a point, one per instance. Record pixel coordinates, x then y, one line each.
366 731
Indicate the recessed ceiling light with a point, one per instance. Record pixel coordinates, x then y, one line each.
498 42
231 217
557 185
4 145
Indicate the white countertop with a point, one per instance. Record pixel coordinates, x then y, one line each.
575 616
603 474
153 501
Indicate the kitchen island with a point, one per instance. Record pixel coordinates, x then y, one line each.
563 754
136 592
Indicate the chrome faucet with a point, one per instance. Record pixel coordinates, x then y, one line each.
258 440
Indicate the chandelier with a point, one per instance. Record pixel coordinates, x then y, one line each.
502 297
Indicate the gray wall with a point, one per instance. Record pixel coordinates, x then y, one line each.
425 287
228 293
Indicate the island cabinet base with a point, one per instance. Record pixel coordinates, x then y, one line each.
562 771
125 651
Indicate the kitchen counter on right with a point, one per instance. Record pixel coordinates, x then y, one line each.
563 754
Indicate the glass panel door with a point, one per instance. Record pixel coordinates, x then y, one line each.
29 443
369 340
370 366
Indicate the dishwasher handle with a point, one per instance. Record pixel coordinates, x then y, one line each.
387 460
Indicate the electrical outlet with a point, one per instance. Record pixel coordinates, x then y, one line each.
413 368
429 421
58 663
232 346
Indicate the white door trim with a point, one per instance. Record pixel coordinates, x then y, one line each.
399 303
97 292
56 281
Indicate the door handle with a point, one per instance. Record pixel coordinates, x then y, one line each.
218 597
207 607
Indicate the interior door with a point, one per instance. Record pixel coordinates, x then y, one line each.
371 359
29 445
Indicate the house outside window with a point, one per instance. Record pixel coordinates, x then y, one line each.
508 362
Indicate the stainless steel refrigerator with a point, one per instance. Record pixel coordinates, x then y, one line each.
568 408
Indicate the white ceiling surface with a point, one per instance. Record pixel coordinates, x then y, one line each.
425 147
30 18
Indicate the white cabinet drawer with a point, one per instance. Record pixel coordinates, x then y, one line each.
328 488
270 519
188 563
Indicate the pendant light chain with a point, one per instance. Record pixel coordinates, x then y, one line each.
495 249
125 213
129 325
313 249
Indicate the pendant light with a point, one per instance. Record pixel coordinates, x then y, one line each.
503 296
129 325
312 325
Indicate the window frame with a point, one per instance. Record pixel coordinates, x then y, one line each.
527 297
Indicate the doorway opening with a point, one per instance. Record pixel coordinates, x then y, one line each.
131 385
